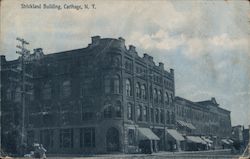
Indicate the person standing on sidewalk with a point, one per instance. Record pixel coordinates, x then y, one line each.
42 152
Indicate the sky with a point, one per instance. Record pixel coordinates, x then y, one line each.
205 42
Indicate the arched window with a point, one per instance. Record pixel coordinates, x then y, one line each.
47 91
66 88
155 95
137 90
118 109
151 92
143 91
130 111
107 113
116 84
166 98
145 113
128 88
139 113
168 117
107 84
162 116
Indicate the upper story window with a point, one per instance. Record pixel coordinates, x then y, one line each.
66 90
8 94
86 87
47 91
107 83
18 95
143 91
139 113
116 84
128 65
160 96
156 115
112 84
128 87
168 117
116 61
162 116
151 92
145 113
107 113
166 98
118 109
155 95
130 112
152 115
137 90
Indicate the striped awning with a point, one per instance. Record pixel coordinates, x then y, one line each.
175 134
195 139
147 134
185 124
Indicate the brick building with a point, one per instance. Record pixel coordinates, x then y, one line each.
102 98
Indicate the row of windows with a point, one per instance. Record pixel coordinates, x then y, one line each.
65 90
87 137
144 113
141 92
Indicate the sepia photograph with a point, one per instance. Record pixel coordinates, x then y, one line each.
128 79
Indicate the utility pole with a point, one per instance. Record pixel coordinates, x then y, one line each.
24 53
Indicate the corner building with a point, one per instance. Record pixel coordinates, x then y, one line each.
100 99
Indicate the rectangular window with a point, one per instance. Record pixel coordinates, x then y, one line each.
131 137
46 138
66 138
152 114
87 137
30 138
87 115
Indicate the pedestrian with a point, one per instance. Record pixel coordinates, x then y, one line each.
42 151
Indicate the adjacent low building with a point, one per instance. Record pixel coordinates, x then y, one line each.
202 120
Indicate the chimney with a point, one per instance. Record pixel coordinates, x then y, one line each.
145 56
132 48
161 65
3 59
122 40
95 39
172 71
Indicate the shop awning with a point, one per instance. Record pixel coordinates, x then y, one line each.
175 134
207 140
196 139
225 141
231 141
185 124
147 134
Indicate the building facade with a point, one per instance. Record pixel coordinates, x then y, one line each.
99 99
205 120
105 98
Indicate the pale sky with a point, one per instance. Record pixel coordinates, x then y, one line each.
206 42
